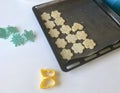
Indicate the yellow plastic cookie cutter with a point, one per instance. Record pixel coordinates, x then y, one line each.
48 78
47 73
47 83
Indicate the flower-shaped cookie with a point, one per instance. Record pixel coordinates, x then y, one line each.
78 48
61 43
71 38
81 35
46 16
59 21
65 29
50 24
54 33
66 54
77 26
55 14
89 43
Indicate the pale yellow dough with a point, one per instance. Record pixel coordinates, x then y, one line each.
55 14
54 33
78 48
59 21
46 16
89 44
65 29
77 26
71 38
81 35
61 43
66 54
50 24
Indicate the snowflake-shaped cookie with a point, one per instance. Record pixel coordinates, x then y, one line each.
71 38
77 26
65 29
50 24
54 33
81 35
55 14
29 35
61 43
66 54
78 48
18 40
89 43
59 21
46 16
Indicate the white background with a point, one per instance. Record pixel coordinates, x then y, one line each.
19 66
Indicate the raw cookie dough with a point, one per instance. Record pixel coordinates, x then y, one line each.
78 48
77 26
89 44
55 14
66 54
50 24
46 16
65 29
54 33
59 21
81 35
61 43
71 38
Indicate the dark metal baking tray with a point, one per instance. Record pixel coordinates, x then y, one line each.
109 11
98 23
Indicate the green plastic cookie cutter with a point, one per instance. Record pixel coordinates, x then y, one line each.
3 33
12 30
29 35
18 39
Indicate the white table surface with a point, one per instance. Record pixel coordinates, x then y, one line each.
19 66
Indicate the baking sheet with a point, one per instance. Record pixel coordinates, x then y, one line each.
99 26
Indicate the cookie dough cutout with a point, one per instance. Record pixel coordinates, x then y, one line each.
81 35
78 48
89 44
55 14
66 54
50 24
59 21
54 33
61 43
46 16
71 38
65 29
77 26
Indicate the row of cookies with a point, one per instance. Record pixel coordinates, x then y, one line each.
70 38
58 20
77 48
65 29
